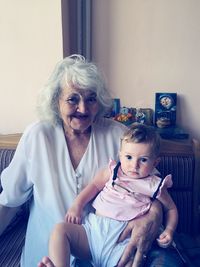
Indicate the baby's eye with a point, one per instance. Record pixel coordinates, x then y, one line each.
128 157
143 160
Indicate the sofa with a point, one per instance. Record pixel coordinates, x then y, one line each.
180 158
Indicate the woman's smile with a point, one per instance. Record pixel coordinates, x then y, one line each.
78 109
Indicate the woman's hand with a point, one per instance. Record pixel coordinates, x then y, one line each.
143 231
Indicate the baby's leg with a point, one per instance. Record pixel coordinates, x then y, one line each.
66 239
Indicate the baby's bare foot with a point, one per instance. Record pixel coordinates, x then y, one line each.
46 262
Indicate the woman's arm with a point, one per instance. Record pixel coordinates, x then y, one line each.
6 215
143 231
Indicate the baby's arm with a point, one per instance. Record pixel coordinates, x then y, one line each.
171 217
74 213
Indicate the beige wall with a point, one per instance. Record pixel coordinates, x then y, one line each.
148 46
30 45
143 46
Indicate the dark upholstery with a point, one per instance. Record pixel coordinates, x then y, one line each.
182 170
12 241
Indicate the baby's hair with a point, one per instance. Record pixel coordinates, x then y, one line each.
142 133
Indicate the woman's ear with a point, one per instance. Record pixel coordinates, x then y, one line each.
157 160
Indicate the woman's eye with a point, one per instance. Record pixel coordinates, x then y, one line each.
73 100
91 99
128 157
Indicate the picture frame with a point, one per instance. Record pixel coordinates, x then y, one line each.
148 115
165 109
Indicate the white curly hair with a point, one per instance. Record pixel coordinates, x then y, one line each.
74 71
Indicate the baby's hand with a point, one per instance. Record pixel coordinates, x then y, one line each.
165 238
73 215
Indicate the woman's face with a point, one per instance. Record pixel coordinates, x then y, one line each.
78 108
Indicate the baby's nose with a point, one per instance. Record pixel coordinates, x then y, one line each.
135 164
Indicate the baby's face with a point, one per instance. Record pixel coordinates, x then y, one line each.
137 160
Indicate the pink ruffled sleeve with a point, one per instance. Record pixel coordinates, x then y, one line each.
166 183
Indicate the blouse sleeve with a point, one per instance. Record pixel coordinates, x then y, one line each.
166 183
17 188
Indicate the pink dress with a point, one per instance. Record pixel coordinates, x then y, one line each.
117 203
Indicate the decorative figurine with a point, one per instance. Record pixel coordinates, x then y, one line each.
125 116
140 116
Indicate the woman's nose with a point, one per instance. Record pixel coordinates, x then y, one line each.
82 107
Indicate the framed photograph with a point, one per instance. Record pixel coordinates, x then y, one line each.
143 115
165 109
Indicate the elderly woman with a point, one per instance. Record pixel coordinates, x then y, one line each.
58 156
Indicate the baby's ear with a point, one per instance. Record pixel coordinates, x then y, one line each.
157 161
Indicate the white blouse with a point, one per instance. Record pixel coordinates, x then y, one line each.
41 168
